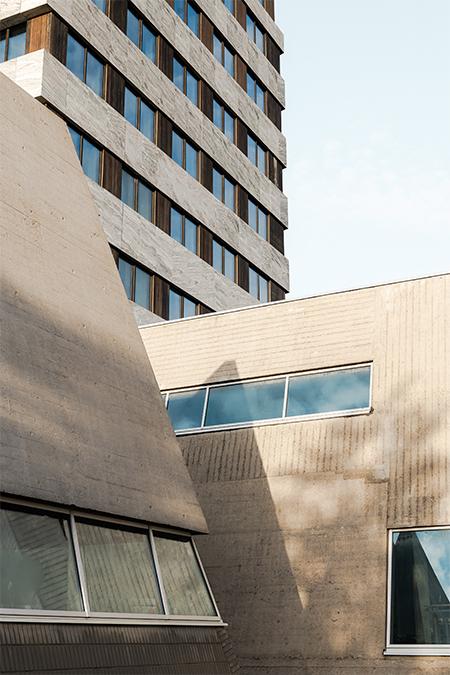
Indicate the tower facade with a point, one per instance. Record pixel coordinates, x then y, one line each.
174 107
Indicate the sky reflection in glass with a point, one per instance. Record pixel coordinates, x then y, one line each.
245 402
186 408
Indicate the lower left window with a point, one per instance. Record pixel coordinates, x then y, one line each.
58 563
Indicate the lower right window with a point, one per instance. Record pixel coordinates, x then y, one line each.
419 582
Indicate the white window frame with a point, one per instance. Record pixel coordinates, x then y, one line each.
399 649
274 420
88 616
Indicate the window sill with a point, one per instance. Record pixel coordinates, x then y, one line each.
126 620
417 650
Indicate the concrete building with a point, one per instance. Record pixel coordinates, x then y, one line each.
97 568
175 110
317 434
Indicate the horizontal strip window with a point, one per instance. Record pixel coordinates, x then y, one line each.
64 564
143 36
82 62
301 395
419 592
13 42
185 80
258 286
89 154
189 14
139 113
224 120
223 54
185 155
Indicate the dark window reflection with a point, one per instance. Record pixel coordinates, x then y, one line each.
329 392
245 402
16 41
149 43
186 408
420 602
91 160
94 74
75 57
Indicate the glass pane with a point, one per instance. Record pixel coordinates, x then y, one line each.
245 402
101 4
261 160
229 126
126 274
186 408
174 305
145 200
133 27
142 290
37 562
94 74
259 38
127 193
179 7
191 161
263 289
182 577
251 149
190 235
252 215
217 184
229 193
193 19
420 601
251 86
228 61
118 566
259 97
217 114
191 88
76 139
75 57
148 43
130 107
2 45
250 27
176 230
253 285
91 160
178 74
217 48
262 223
217 256
147 124
329 392
177 148
229 264
229 4
16 41
189 308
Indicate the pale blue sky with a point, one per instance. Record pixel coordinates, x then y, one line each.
367 122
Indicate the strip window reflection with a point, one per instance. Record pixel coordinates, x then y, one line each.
185 155
223 119
254 31
89 155
258 286
257 218
333 392
13 42
224 189
141 34
183 230
84 64
53 562
185 80
224 260
137 194
256 154
223 54
256 91
139 114
189 14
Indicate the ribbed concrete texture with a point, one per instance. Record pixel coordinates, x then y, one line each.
300 512
83 421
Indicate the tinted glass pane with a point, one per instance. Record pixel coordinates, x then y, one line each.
176 225
251 149
130 107
217 48
2 46
91 160
144 200
191 160
245 402
127 193
75 57
229 126
253 285
76 138
142 290
329 392
189 308
229 193
190 235
126 274
174 305
262 224
37 562
192 87
148 43
183 580
186 408
228 61
250 27
16 41
250 86
94 74
229 4
259 97
119 570
193 19
147 125
133 27
178 74
229 264
180 6
217 184
259 38
217 114
263 289
217 256
101 4
420 587
252 215
261 160
177 148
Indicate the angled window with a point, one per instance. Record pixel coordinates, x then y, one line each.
183 230
256 153
184 154
189 14
223 53
223 188
258 285
229 4
139 114
257 218
137 194
224 260
180 306
143 36
136 280
255 91
13 42
101 4
185 80
223 119
88 153
85 65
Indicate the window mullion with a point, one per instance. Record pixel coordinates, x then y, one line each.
205 405
85 65
80 568
162 590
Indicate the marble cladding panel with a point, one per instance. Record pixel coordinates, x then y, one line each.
26 71
74 99
143 316
146 243
110 42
